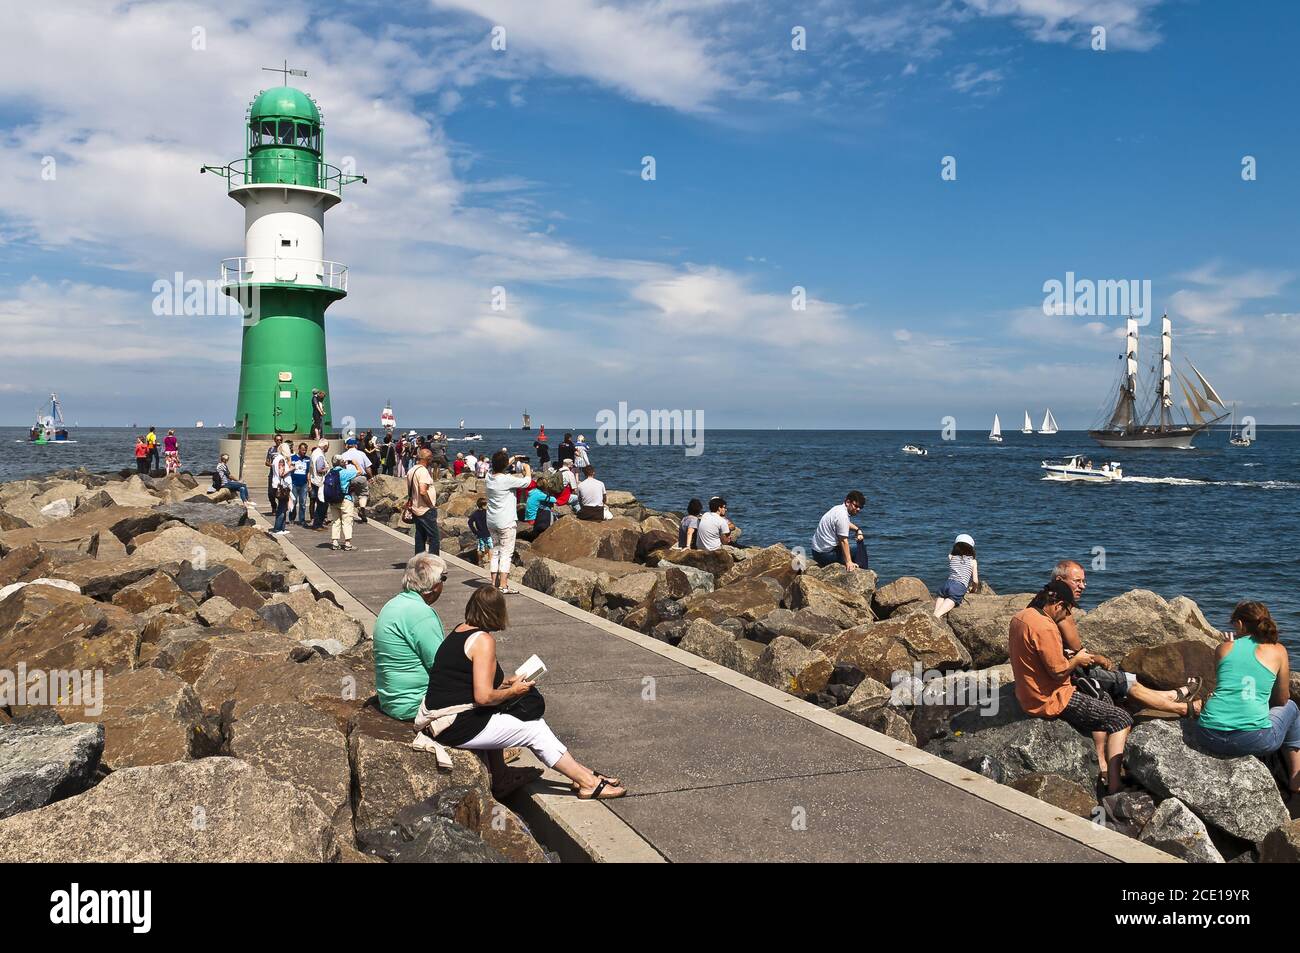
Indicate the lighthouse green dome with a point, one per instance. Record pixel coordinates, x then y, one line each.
284 102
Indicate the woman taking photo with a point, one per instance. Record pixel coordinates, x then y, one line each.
1250 711
472 704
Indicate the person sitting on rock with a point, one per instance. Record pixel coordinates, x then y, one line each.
1104 676
472 704
407 634
591 496
715 529
690 523
830 541
963 575
1250 711
1043 685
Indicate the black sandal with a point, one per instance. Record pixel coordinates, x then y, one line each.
596 795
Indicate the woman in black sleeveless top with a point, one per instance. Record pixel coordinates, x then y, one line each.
465 672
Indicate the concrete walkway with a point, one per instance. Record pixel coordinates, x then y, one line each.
720 767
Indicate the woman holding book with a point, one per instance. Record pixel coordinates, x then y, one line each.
472 704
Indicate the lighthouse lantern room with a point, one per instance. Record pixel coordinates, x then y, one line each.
283 280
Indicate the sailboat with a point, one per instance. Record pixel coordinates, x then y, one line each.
1235 438
1128 425
1029 424
388 419
528 421
1049 423
462 423
996 433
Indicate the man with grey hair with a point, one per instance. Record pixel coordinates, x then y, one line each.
407 635
316 470
1105 677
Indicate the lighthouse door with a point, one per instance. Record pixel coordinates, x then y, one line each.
286 258
286 408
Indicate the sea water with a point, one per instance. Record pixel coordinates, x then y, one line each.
1218 524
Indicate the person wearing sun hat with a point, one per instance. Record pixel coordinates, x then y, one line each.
963 574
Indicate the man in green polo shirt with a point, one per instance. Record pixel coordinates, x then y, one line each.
407 635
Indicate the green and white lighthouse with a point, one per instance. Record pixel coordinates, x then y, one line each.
283 281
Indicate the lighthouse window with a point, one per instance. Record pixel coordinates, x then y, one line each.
286 132
265 133
305 136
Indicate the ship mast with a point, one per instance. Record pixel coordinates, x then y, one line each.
1125 416
1166 371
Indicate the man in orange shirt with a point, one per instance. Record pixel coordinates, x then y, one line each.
1043 685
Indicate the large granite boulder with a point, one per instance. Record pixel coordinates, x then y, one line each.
837 603
236 681
802 625
899 644
150 717
775 562
898 593
716 562
1236 795
208 811
747 599
1023 747
195 514
568 583
78 530
1060 792
1170 665
102 578
982 623
304 746
794 668
700 580
632 591
179 543
1281 845
571 539
152 592
326 622
388 774
48 627
861 581
1176 830
1138 618
46 762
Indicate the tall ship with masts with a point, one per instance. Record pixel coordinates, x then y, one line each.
1131 423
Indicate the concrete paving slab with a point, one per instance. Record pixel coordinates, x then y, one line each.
893 815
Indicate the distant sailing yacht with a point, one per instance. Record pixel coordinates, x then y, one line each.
1128 425
1029 424
528 421
996 433
1236 438
1049 424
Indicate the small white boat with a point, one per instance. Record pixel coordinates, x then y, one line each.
198 425
995 434
386 418
1080 470
1029 424
1049 424
915 450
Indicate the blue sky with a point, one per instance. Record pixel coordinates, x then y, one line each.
774 168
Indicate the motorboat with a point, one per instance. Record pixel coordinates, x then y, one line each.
915 450
1082 470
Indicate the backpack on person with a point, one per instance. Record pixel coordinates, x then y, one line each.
551 482
216 481
332 492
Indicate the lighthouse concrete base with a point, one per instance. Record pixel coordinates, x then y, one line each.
252 468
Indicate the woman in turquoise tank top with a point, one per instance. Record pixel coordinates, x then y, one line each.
1250 711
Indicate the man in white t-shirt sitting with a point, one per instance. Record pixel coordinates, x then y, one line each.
830 541
503 514
591 496
715 529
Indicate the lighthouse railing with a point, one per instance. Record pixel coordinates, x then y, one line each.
308 272
284 170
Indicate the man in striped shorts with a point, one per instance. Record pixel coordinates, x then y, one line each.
1043 685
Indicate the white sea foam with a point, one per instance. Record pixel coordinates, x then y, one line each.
1185 481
